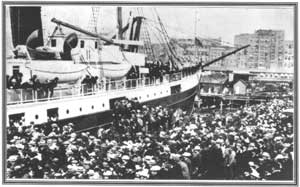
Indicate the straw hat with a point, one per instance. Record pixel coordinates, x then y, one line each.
155 168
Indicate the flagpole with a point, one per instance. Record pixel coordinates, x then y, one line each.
195 35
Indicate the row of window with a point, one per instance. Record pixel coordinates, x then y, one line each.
103 105
82 42
288 58
275 76
67 111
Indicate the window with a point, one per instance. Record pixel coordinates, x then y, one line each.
175 89
80 109
36 116
16 70
53 42
81 44
92 106
67 111
52 114
96 45
15 117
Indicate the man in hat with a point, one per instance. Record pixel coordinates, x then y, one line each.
155 172
215 162
230 163
196 159
186 158
174 169
184 167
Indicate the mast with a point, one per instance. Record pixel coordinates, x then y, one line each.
171 53
195 34
119 22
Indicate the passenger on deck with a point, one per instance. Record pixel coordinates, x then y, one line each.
52 85
86 82
44 88
36 85
94 81
15 81
8 85
86 79
29 84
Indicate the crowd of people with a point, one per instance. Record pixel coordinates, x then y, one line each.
157 70
145 142
44 89
90 83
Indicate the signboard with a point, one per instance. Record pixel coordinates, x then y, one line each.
230 77
144 70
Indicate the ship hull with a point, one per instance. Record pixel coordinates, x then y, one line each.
87 110
183 100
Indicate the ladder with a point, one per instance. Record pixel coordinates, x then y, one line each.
92 26
145 36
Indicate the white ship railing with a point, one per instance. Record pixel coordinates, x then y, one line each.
22 96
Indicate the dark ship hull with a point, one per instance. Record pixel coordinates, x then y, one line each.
183 100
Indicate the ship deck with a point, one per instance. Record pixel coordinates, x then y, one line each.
16 97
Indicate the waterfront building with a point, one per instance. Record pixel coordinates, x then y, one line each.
240 87
288 61
266 49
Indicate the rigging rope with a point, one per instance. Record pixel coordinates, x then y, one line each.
167 39
177 29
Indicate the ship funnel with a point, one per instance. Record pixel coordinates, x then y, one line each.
71 42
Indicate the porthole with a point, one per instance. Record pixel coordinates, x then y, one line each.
36 116
67 111
80 109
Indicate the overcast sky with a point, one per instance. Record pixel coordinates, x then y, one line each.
224 22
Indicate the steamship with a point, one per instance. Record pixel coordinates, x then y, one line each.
72 57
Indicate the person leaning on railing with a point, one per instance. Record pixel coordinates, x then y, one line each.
14 82
52 85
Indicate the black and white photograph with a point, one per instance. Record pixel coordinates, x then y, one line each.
159 93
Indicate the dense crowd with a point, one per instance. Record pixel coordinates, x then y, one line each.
144 142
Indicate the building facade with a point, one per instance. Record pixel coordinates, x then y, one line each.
288 61
266 49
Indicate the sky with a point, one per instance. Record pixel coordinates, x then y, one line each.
213 22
